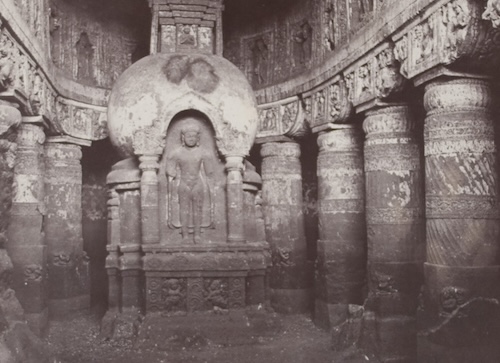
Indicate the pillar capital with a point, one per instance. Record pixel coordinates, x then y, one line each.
149 162
282 149
347 138
390 119
447 94
234 163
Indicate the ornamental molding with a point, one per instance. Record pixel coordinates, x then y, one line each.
407 43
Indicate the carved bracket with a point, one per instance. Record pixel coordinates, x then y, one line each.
285 118
374 77
328 104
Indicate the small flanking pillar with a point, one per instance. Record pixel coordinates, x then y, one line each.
290 280
462 272
149 199
68 264
341 259
26 241
395 225
234 168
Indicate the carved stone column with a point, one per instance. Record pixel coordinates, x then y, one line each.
26 242
341 259
290 279
462 269
149 199
234 167
395 225
69 288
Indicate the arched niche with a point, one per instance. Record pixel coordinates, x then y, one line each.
192 183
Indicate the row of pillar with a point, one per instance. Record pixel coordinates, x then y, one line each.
386 227
45 229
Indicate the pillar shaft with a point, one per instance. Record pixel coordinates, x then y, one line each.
395 225
69 288
234 167
282 201
461 207
26 244
341 260
150 219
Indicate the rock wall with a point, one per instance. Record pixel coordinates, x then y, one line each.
273 41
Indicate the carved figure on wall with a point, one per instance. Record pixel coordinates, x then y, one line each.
186 36
260 57
282 257
85 55
216 294
329 28
451 299
365 7
302 38
174 297
492 12
188 173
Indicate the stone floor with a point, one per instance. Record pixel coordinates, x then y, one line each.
271 339
254 337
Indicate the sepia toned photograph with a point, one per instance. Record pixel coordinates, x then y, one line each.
249 181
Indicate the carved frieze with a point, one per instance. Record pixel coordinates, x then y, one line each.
453 35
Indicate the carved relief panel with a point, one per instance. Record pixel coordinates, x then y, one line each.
258 53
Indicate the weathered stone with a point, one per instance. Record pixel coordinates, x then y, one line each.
290 279
25 244
462 209
394 212
67 272
341 255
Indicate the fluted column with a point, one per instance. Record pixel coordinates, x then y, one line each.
26 242
234 168
149 199
282 201
461 179
340 265
69 288
395 225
